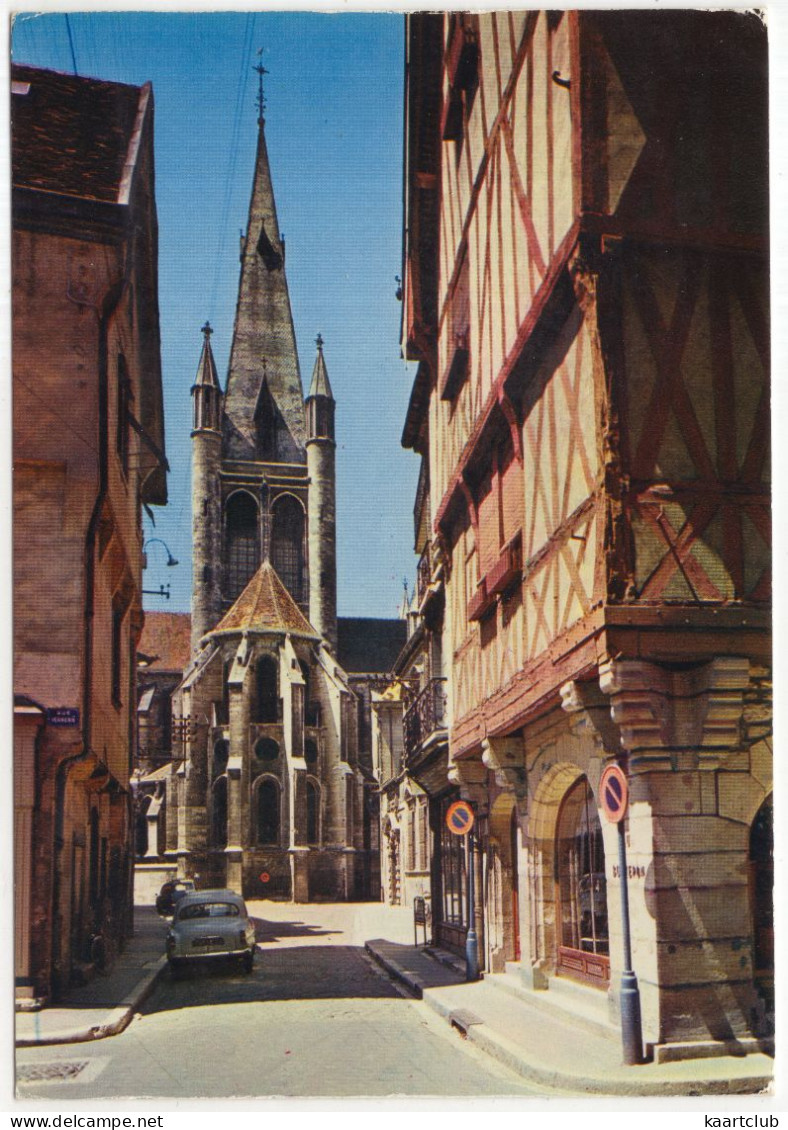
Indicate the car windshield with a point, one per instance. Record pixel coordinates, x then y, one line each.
208 910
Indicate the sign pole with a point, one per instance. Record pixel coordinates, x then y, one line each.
631 1032
471 940
614 798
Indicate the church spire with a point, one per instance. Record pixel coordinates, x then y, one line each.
263 330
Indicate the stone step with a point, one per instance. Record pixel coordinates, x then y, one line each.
579 1005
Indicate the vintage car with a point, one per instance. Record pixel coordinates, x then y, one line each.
210 924
171 892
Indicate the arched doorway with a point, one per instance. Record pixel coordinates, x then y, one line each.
583 941
761 875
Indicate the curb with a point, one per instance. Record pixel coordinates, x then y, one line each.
507 1052
118 1019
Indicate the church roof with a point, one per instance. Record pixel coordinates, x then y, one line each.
367 646
206 370
265 605
263 337
166 640
320 383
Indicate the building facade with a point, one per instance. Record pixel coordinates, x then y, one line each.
586 295
88 453
272 789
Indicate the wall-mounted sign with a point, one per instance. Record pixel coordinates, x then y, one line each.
63 716
459 818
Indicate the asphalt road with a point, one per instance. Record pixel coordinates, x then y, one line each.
317 1017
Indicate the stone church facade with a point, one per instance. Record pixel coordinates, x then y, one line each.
268 794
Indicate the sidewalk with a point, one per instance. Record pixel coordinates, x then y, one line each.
106 1005
512 1024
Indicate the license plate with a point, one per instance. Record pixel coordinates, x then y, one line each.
203 942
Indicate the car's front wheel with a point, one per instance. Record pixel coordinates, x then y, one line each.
176 965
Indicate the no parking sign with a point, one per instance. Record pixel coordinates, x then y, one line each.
614 793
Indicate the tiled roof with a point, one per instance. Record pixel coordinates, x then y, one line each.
71 135
166 638
265 605
369 646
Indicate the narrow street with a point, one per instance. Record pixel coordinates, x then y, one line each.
316 1018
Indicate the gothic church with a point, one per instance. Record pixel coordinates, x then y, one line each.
271 793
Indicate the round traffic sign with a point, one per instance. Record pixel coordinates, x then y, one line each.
264 877
459 818
614 793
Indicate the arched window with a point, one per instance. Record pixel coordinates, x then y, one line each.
268 812
312 812
241 543
582 891
762 898
266 749
310 751
287 545
267 685
219 813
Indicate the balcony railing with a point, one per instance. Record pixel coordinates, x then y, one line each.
425 715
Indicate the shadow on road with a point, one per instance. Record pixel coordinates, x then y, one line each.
265 931
290 973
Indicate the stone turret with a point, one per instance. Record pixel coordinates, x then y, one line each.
320 449
206 496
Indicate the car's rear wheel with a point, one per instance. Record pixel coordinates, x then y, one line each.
247 962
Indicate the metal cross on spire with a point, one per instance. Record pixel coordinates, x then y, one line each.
261 70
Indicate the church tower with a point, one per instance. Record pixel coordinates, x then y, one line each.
250 479
320 449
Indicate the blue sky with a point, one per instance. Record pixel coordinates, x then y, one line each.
334 133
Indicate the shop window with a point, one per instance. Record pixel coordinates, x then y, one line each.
268 812
287 545
454 891
582 889
242 544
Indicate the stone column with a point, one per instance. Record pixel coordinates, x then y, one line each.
692 798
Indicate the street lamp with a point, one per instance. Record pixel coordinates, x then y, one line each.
170 559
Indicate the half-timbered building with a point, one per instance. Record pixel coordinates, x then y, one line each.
586 296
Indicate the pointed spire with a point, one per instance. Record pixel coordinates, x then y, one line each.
320 383
263 328
206 369
206 391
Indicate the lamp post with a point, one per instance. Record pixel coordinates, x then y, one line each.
162 590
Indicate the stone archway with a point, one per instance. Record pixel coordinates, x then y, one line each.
541 844
501 885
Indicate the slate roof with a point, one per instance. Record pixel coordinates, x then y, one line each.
265 605
264 342
71 135
320 386
166 638
367 646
